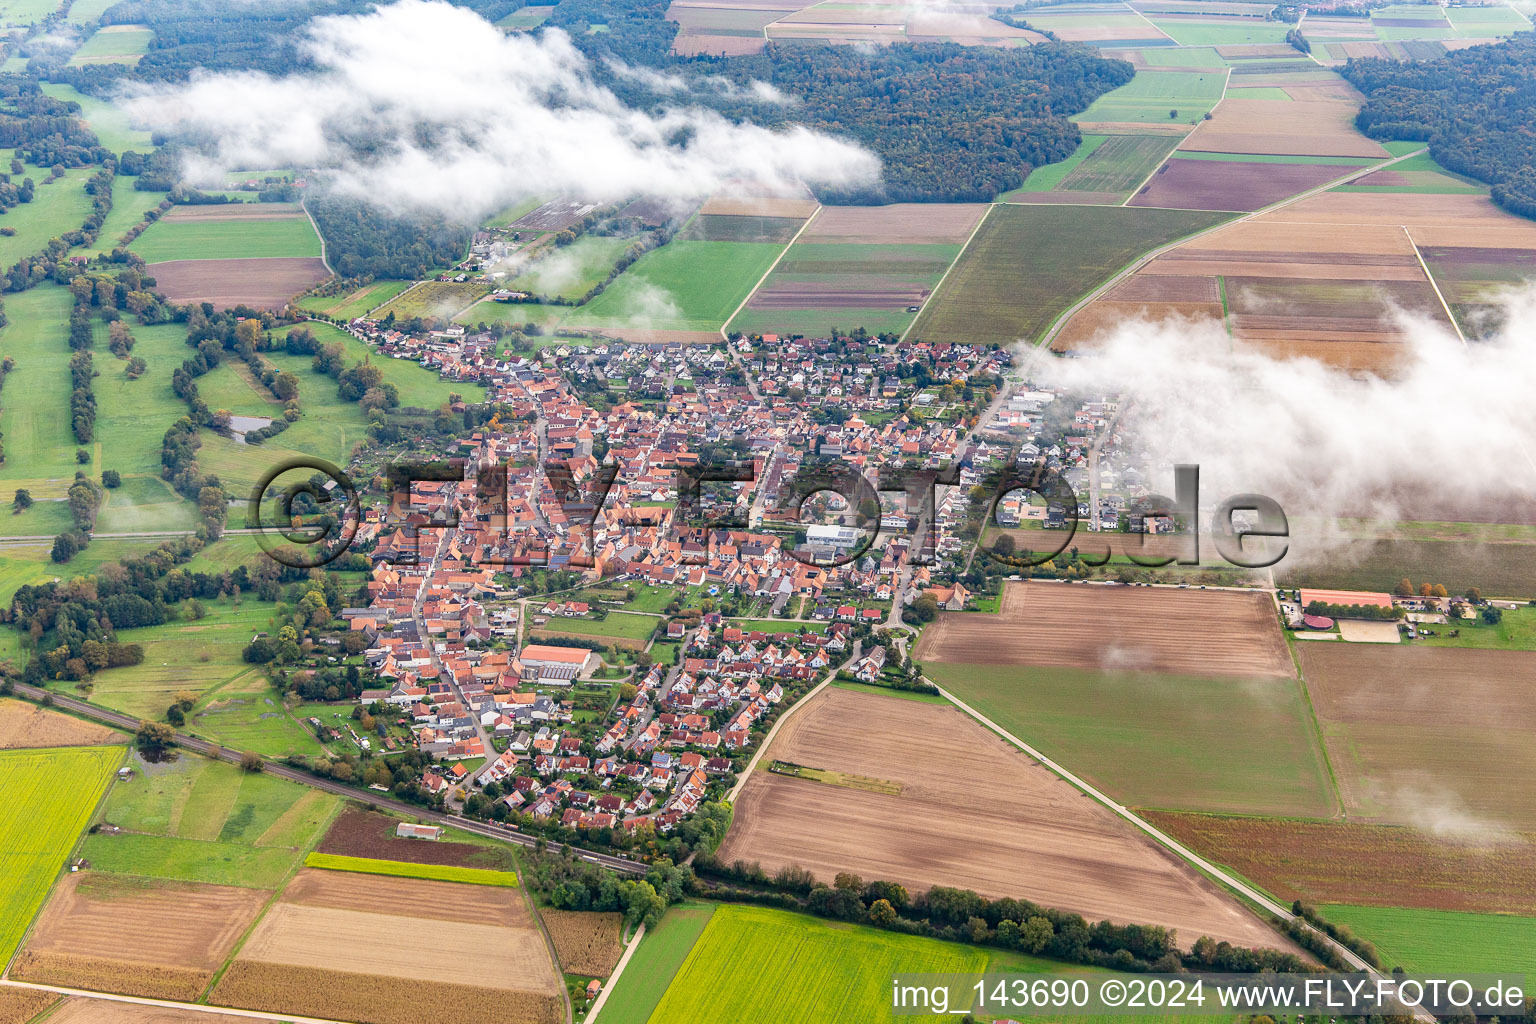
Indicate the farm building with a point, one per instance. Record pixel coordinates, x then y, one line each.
547 665
1368 598
406 830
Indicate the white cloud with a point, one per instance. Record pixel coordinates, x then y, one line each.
421 105
1454 425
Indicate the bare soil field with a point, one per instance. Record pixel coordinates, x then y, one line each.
19 1005
687 43
555 215
1433 737
406 897
966 29
79 1010
898 223
22 725
1260 307
762 206
378 998
731 19
359 833
1452 220
586 943
264 283
234 211
1230 185
1026 833
1374 865
1194 632
1240 125
1147 288
181 933
1095 320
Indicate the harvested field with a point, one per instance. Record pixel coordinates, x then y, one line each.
1099 318
1429 736
715 227
1031 836
79 1010
736 206
727 20
1281 126
898 223
99 974
360 833
1262 307
1199 632
586 943
555 215
263 283
1372 865
1236 185
23 725
377 999
19 1005
406 897
1119 164
181 932
1165 289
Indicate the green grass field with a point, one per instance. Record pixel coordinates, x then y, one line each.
24 564
682 286
618 624
50 795
1120 164
1152 94
111 123
247 713
207 821
1164 741
15 13
182 655
655 964
226 239
39 444
571 271
1233 32
354 303
418 385
400 869
1424 942
1028 264
1047 178
773 967
83 12
131 420
128 208
1182 57
114 44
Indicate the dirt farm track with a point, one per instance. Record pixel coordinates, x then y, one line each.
1194 632
972 812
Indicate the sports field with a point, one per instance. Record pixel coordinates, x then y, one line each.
1159 97
682 286
196 820
50 795
1424 942
236 238
773 967
1028 264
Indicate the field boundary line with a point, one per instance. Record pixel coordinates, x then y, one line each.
725 333
316 228
265 1015
1049 334
1232 882
1149 21
1160 164
1435 285
991 207
613 979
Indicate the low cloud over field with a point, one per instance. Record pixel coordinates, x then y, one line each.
1454 430
424 106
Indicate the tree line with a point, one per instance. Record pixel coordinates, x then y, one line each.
1474 108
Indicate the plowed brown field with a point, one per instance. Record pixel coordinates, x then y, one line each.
1297 127
974 812
254 282
1196 632
378 998
898 223
1433 737
359 833
1377 865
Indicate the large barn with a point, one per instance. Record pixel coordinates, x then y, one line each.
547 665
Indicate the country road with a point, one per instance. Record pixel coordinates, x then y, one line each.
198 746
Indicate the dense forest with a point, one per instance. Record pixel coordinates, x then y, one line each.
1474 107
361 240
950 122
